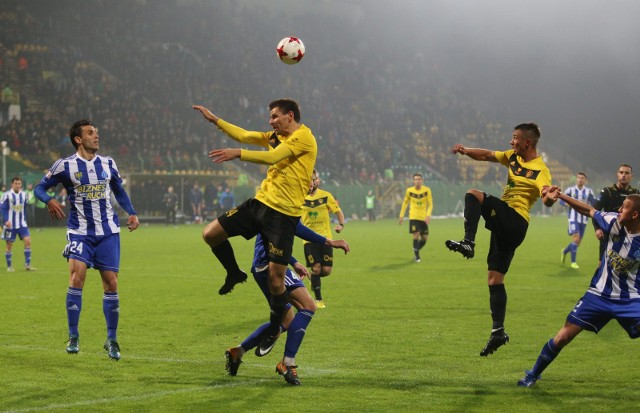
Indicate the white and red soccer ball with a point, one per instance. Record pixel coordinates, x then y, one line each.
290 50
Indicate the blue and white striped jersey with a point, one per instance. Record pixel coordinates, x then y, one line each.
585 195
89 185
617 276
14 209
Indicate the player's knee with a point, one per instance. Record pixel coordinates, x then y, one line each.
213 234
311 306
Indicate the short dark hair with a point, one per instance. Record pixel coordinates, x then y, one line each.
531 130
286 106
635 198
417 174
16 178
76 130
582 173
626 165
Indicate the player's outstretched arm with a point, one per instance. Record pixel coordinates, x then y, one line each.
477 154
554 193
224 155
55 209
338 244
208 115
300 270
549 195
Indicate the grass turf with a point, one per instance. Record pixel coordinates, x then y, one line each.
395 336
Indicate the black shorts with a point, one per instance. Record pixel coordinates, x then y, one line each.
253 217
318 253
417 225
508 229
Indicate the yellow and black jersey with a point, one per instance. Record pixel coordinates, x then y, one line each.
421 203
287 181
316 210
525 181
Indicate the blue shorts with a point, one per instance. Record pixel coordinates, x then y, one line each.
576 228
593 312
99 252
291 282
9 235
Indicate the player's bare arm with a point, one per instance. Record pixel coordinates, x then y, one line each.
301 270
133 223
224 155
206 113
55 209
338 244
476 154
549 195
554 193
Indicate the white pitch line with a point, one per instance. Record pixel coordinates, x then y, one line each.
253 361
134 398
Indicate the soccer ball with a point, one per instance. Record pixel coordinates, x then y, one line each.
290 50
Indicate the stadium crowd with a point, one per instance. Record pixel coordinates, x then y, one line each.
140 67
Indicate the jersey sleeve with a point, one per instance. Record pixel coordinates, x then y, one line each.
4 208
53 177
270 157
118 190
300 142
503 156
429 202
307 234
332 204
605 220
244 136
405 203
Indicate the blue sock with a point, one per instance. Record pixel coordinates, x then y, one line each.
74 305
111 310
7 256
296 332
567 248
27 257
254 338
574 250
548 353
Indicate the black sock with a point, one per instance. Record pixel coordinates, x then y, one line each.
315 286
224 254
278 305
472 213
498 304
421 243
416 245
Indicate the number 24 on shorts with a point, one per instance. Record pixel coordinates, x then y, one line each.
74 247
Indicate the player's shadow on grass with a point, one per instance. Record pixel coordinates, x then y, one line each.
399 264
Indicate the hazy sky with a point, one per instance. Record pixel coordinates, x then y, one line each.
572 66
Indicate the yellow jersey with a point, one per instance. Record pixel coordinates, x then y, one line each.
316 210
421 203
287 181
525 181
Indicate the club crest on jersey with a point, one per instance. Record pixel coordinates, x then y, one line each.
104 175
78 175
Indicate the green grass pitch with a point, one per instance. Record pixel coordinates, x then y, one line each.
396 336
